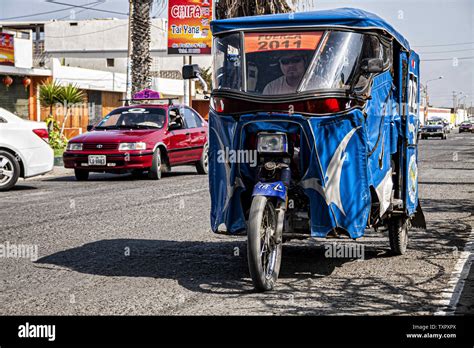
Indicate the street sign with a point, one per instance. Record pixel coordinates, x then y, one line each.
188 27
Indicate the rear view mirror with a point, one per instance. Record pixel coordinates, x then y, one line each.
191 71
372 65
90 127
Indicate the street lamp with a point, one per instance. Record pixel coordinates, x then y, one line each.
426 88
456 95
463 97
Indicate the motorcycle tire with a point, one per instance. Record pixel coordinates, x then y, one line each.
398 235
263 254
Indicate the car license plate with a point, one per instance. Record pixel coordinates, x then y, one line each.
97 160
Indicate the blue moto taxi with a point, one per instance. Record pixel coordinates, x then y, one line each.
326 103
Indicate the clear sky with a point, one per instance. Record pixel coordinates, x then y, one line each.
441 31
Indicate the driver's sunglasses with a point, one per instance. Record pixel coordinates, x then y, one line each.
293 60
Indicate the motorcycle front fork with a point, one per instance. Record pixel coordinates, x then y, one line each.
281 207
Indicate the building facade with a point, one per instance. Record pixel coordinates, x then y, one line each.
91 54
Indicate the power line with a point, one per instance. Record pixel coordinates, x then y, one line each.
36 14
441 59
467 49
69 6
85 7
159 9
94 4
454 44
158 27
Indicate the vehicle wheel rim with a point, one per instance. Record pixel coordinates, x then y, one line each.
206 157
6 170
268 248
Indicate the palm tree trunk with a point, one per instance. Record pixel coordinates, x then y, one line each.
64 123
243 8
141 38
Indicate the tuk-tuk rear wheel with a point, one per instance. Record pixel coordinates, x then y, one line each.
398 235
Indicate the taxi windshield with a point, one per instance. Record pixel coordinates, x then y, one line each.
278 63
134 118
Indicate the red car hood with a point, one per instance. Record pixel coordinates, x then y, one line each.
113 136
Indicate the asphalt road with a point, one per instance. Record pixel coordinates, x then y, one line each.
117 245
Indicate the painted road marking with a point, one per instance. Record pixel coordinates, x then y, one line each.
452 293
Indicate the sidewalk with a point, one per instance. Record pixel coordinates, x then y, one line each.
58 171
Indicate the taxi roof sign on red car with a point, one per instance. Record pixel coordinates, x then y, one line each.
147 95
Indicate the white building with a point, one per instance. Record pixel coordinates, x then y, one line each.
103 45
91 54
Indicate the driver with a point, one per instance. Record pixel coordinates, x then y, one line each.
127 120
292 66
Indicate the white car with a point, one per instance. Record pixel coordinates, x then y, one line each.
24 149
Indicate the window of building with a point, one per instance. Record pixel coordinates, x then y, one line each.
110 62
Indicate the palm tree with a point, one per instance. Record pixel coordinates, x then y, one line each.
243 8
49 95
69 96
141 29
141 38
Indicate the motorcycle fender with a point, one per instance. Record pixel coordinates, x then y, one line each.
270 189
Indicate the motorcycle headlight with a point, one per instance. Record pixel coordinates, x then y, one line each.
74 147
132 146
272 143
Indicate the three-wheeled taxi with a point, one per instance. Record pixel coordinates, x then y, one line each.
312 131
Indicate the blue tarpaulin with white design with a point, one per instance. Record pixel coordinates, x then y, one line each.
343 156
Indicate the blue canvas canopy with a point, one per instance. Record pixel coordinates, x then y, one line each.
345 157
342 17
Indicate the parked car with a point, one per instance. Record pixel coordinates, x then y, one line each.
141 138
466 126
434 129
24 149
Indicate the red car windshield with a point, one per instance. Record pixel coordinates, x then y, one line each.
134 118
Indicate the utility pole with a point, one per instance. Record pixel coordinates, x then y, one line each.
185 86
454 102
190 82
128 87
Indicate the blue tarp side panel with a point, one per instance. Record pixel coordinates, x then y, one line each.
379 128
336 179
344 17
411 139
341 153
222 131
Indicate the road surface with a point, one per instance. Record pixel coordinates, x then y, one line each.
117 245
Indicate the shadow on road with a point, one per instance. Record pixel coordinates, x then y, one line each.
211 267
21 187
98 177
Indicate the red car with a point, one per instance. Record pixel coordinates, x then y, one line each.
141 138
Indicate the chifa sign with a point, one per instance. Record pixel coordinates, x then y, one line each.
7 56
188 27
